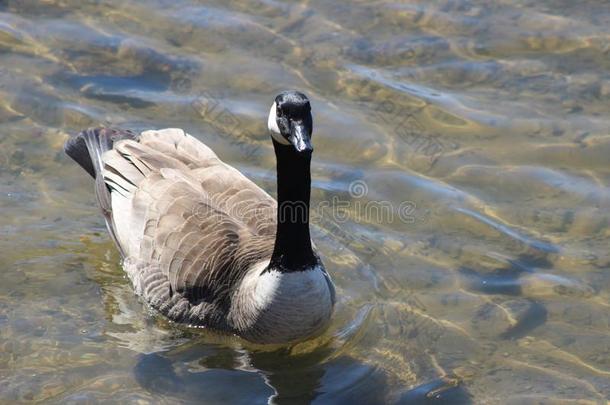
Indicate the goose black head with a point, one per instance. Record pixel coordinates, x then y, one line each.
290 121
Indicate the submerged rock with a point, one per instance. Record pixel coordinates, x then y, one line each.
508 319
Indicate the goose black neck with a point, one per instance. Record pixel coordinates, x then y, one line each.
292 251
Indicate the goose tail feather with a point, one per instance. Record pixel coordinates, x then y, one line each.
87 147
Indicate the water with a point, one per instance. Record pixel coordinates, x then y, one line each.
483 126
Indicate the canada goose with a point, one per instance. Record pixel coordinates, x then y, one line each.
202 243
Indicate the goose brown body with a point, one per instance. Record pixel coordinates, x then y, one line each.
197 236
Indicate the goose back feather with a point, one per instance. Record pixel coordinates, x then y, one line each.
188 225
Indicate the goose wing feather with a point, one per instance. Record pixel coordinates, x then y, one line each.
184 219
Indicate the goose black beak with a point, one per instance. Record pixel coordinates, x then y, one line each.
300 136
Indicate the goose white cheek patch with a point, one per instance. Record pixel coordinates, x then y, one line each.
273 128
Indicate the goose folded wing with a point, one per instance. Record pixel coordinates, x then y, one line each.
185 216
201 249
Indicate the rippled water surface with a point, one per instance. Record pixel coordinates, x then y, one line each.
484 126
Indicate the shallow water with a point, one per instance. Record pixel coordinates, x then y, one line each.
481 127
